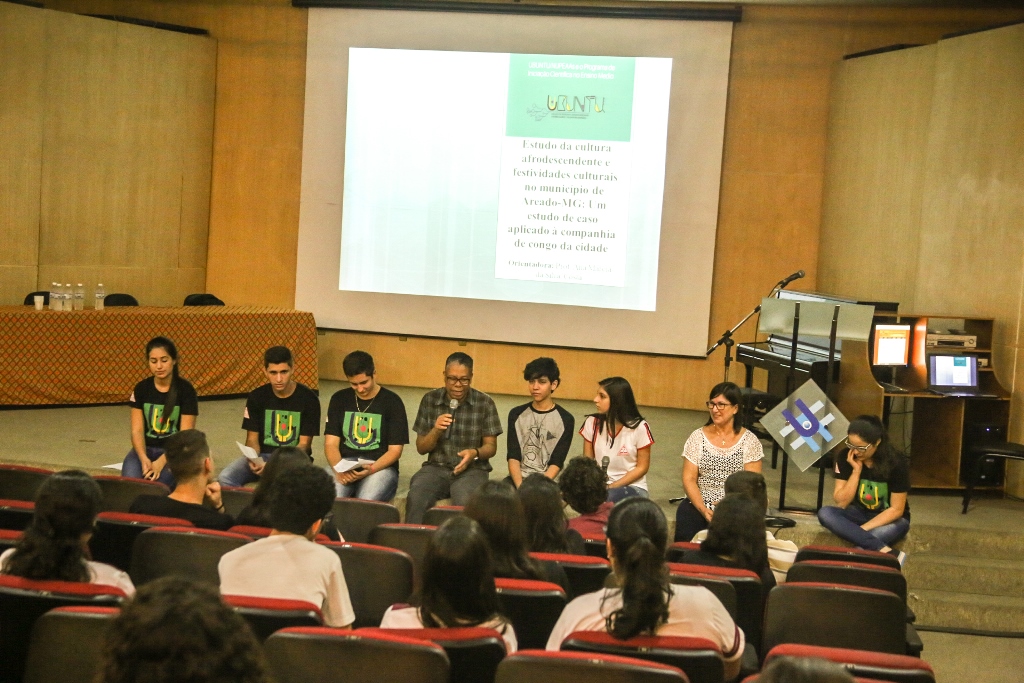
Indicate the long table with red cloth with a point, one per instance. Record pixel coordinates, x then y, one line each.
89 357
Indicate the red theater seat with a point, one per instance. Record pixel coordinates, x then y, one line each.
18 482
355 519
255 532
267 615
700 659
874 665
749 594
574 667
235 499
439 514
533 607
377 578
829 552
67 644
178 551
596 545
676 550
120 492
409 538
474 653
116 533
586 574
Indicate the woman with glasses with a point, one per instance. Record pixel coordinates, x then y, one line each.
713 452
872 480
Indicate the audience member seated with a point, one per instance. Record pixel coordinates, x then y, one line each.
55 546
197 496
781 554
257 512
710 455
177 629
546 528
736 538
498 510
458 585
288 565
804 670
160 406
646 603
584 489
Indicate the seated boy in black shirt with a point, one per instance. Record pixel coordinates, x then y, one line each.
197 496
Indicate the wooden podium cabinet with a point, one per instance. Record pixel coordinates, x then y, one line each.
940 428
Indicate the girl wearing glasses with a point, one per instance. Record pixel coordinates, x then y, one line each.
872 481
713 452
618 435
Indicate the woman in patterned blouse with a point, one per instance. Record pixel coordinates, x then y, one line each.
711 454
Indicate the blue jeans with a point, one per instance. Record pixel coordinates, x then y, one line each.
132 466
845 523
617 494
238 472
380 486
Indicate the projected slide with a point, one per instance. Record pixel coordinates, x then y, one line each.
510 177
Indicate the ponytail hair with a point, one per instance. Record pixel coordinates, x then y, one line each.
639 535
171 400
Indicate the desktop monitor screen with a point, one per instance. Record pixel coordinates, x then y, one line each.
892 345
953 371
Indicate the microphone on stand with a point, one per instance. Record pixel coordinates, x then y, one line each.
795 276
452 406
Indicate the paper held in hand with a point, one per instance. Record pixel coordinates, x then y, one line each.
346 465
249 452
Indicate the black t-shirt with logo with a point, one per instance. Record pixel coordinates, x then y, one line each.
281 421
874 491
366 429
150 401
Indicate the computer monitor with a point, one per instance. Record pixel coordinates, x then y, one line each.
952 372
892 345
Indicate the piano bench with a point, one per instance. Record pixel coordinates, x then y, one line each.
986 453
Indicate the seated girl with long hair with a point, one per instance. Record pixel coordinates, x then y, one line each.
646 603
458 585
55 546
547 530
619 435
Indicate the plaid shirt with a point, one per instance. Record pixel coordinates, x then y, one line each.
475 418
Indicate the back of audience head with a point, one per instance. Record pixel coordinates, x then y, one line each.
177 629
637 539
281 460
583 485
186 453
736 531
54 546
804 670
749 484
299 500
496 507
458 576
545 519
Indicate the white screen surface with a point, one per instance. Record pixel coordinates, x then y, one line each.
411 213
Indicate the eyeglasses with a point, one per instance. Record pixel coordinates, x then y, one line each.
718 406
859 449
464 381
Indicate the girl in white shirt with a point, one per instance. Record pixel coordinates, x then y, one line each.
619 433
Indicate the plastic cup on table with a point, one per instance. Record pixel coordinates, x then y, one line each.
38 301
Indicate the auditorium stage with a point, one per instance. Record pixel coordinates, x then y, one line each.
948 552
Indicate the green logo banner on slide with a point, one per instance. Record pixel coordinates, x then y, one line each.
570 97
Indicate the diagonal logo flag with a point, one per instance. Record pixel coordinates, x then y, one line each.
807 425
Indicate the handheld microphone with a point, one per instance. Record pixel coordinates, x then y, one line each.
604 464
452 405
795 276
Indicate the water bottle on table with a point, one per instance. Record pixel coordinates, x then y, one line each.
101 294
80 297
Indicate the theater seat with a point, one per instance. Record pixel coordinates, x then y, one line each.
8 539
255 532
829 552
439 514
412 539
16 514
853 574
874 665
268 615
120 492
579 667
699 658
23 601
719 586
749 595
355 519
19 482
327 655
178 551
533 607
586 574
596 545
377 577
115 535
67 644
474 653
235 499
676 551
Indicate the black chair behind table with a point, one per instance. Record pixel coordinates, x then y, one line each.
179 551
749 595
439 514
355 519
30 298
67 644
235 499
699 658
572 667
19 482
806 613
202 300
23 601
860 663
327 655
843 554
473 653
377 578
120 492
119 299
586 574
16 514
533 607
269 615
115 535
413 539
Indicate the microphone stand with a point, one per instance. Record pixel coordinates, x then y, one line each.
726 338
